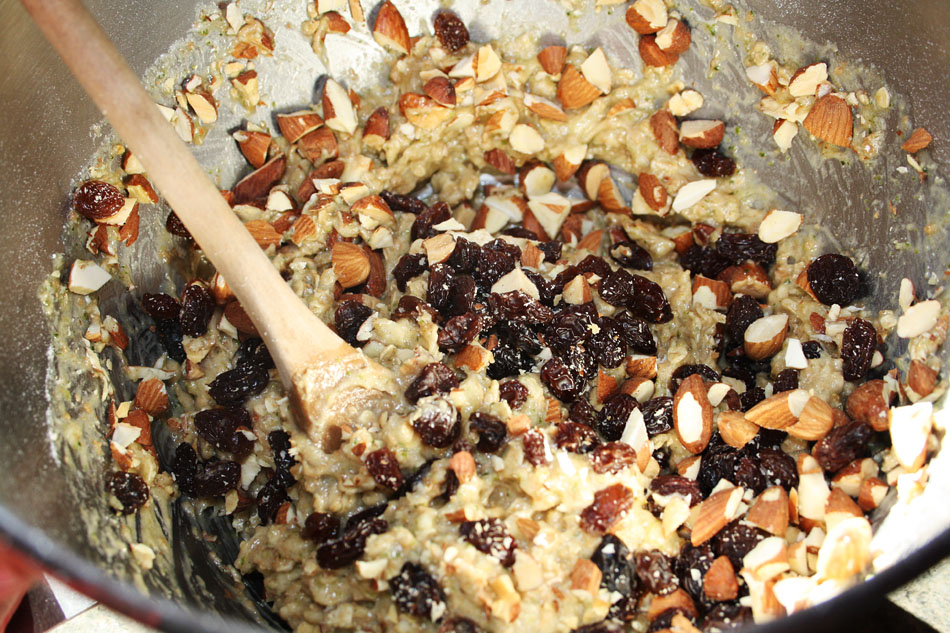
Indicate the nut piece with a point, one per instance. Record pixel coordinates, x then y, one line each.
141 189
764 337
715 513
86 277
719 582
777 225
567 163
596 70
692 414
422 111
869 403
872 493
685 102
653 193
544 108
350 264
438 248
258 183
390 29
678 600
574 91
770 511
805 81
693 192
735 430
501 161
151 396
263 233
702 134
783 131
473 357
552 59
919 139
711 293
910 427
846 550
748 278
780 410
641 367
918 319
586 576
526 139
253 145
487 63
463 465
830 120
294 125
814 421
674 38
653 55
338 112
647 16
921 379
663 125
441 90
376 130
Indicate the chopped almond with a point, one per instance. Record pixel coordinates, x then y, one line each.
919 139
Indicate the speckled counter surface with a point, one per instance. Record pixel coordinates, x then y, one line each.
928 597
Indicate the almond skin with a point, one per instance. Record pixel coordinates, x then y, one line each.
776 412
294 125
867 404
714 514
653 192
498 159
639 19
263 233
441 90
253 146
830 120
258 183
151 397
702 134
653 55
234 313
719 582
319 146
663 125
919 139
692 414
814 422
764 337
350 264
769 511
390 29
574 91
552 59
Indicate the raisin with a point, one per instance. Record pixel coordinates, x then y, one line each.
450 485
253 352
704 260
726 616
197 307
492 432
653 570
459 331
410 307
615 562
857 349
518 306
811 349
461 297
778 468
439 290
842 445
464 256
663 623
662 456
712 163
130 489
560 380
403 203
581 411
609 506
416 592
436 214
492 265
349 318
649 302
96 200
738 247
616 288
786 380
451 31
437 422
736 540
535 449
520 231
234 387
607 344
217 478
658 415
551 249
219 428
612 418
637 334
491 537
357 519
320 527
175 226
631 255
161 306
507 362
604 626
547 292
433 379
279 442
691 566
345 550
718 462
834 279
683 371
384 468
514 393
169 335
747 474
185 467
675 485
575 437
751 397
458 624
504 246
743 311
613 457
409 484
408 267
270 498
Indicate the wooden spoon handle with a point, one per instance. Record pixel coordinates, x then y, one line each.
294 336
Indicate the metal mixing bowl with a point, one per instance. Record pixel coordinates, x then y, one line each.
45 137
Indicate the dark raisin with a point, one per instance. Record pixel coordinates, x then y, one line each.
458 624
747 474
683 371
663 455
416 592
161 306
616 288
613 457
736 540
197 307
609 506
551 249
492 432
384 468
513 392
403 203
437 422
96 199
636 333
569 327
712 163
410 482
459 331
658 415
518 306
535 450
234 387
412 308
751 397
519 336
718 462
492 265
507 362
675 485
704 260
738 247
520 231
451 31
649 302
436 214
450 485
581 411
612 418
434 378
357 519
607 343
349 318
345 550
654 571
857 349
408 267
691 566
169 335
743 311
464 256
279 441
560 380
786 380
270 498
130 489
175 226
219 428
811 349
631 255
254 353
461 297
663 623
439 290
217 478
185 467
320 527
604 626
491 537
594 264
615 562
834 279
842 445
547 292
778 468
576 437
726 616
504 246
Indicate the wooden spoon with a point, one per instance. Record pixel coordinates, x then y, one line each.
328 380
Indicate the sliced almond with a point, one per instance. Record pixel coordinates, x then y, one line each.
710 293
715 513
498 159
812 489
918 319
610 198
765 336
653 55
544 108
350 264
552 59
203 105
463 465
591 241
624 105
910 428
830 120
487 63
640 389
814 421
304 229
596 70
372 212
919 139
319 145
780 410
577 291
735 430
647 16
590 175
692 193
238 317
141 189
376 130
550 211
132 165
390 29
567 163
805 81
839 507
763 76
692 414
248 88
537 179
574 91
641 367
777 225
769 511
338 112
686 102
438 248
263 233
151 397
719 581
586 576
516 280
748 278
422 111
664 128
674 38
441 90
294 125
702 133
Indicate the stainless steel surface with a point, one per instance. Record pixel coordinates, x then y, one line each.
45 140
